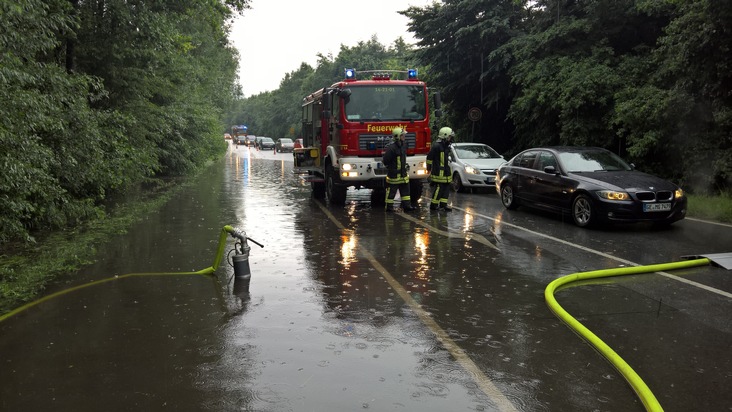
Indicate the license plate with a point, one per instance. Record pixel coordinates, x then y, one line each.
656 207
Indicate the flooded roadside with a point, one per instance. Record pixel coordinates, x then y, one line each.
293 341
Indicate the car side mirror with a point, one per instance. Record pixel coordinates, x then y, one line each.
550 169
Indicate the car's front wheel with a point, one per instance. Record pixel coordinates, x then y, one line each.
508 197
457 183
583 213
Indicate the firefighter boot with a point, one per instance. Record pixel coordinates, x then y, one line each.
407 206
445 207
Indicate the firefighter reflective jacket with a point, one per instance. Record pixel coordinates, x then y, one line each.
395 160
437 163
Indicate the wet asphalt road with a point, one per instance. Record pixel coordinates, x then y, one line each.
350 308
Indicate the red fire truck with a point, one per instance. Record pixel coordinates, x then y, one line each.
239 134
346 126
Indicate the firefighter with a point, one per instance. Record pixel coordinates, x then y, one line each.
439 169
397 175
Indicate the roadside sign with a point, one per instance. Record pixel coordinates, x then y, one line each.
474 114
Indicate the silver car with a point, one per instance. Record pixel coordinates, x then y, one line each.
473 165
284 145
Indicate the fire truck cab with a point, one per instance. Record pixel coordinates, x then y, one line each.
345 128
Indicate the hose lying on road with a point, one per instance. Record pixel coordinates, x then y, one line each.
641 389
203 272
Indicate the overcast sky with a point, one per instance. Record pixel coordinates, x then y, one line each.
275 36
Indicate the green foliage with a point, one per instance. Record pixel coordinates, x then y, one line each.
714 208
650 80
101 95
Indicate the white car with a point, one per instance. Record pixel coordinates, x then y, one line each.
473 165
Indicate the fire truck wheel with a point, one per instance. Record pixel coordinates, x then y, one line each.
415 191
318 189
335 192
378 197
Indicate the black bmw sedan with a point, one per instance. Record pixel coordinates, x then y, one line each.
592 184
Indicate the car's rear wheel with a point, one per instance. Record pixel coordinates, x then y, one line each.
508 197
583 213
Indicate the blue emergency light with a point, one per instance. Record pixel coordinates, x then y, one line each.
412 74
350 74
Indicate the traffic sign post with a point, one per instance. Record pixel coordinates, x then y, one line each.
474 114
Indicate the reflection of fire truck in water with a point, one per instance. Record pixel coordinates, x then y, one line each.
345 128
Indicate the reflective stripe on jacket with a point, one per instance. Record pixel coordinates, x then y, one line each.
438 165
395 160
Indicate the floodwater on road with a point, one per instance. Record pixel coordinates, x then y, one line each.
349 308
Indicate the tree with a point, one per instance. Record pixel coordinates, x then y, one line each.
100 95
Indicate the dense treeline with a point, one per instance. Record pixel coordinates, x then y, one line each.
100 95
648 79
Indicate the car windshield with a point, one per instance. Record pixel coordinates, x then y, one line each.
285 141
267 139
477 151
386 103
592 161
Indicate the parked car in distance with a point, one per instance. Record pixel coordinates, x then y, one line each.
227 136
266 143
250 139
298 144
592 184
473 165
240 140
284 145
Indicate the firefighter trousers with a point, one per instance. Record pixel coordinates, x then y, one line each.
440 195
391 191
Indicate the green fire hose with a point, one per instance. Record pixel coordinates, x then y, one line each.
641 389
209 271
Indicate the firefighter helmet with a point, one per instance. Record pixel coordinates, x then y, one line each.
398 132
445 133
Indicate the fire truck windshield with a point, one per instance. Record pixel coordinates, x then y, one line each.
386 102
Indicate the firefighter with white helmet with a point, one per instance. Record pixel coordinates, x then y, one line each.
397 176
438 166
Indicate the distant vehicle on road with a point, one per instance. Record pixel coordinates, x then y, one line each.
284 145
250 140
473 165
241 139
227 136
266 143
592 184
